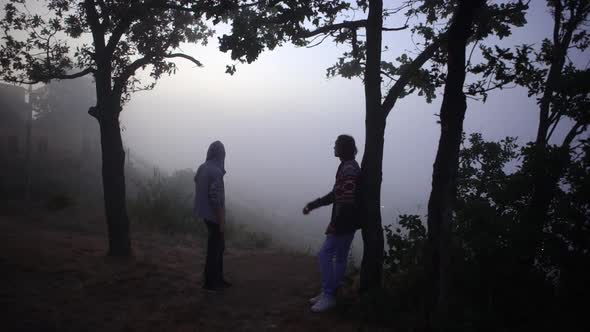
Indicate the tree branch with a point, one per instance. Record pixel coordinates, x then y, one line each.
95 26
409 71
386 74
121 81
576 130
557 25
500 85
103 9
555 121
334 27
125 23
118 32
559 54
395 29
53 77
318 43
468 65
75 75
184 56
346 24
172 33
194 8
555 116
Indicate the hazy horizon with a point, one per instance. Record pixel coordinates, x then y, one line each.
279 117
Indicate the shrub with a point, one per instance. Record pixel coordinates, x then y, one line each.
160 206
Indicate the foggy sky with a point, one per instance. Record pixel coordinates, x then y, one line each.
279 117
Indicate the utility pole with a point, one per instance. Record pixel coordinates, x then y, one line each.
28 163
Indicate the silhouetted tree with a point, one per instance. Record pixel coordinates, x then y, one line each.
563 95
550 73
271 23
111 40
446 164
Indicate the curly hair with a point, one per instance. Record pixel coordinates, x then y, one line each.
346 146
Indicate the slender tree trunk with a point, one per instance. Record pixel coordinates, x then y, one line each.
28 152
113 178
543 189
442 197
372 164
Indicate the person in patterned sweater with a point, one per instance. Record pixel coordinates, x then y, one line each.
333 254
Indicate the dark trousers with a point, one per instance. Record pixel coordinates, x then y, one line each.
215 249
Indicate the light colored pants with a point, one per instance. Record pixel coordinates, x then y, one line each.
333 257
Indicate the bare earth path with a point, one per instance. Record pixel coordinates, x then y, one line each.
60 280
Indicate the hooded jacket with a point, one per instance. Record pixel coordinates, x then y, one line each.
209 186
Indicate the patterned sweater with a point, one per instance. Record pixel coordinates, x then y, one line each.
344 218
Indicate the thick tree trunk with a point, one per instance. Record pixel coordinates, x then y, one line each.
440 204
113 156
372 164
372 232
113 178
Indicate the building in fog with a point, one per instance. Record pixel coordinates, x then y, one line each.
64 140
60 124
13 120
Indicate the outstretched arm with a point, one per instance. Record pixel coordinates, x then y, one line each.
322 201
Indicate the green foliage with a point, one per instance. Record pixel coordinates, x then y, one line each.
244 236
546 69
492 232
493 286
404 248
268 24
483 173
165 204
162 206
126 36
402 300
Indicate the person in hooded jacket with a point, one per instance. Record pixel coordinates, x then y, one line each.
210 207
343 224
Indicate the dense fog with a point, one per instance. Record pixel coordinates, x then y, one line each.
279 117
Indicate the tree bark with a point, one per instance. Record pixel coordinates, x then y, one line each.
113 178
372 231
372 163
543 187
442 196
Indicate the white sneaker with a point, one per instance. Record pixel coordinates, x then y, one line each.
325 303
316 298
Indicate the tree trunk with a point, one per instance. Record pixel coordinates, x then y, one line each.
113 178
28 146
372 164
442 196
372 232
543 189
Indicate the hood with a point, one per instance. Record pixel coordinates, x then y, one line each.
216 154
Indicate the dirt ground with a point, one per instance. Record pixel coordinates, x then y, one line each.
59 279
